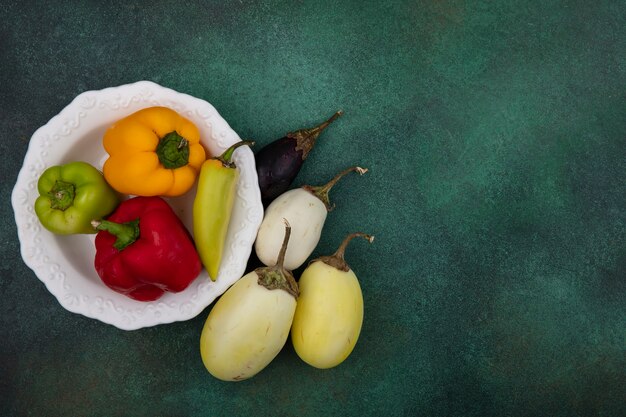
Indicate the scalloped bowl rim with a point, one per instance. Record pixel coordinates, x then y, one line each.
62 262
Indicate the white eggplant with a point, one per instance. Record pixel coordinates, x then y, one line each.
329 314
305 209
249 324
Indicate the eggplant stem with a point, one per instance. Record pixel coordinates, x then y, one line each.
277 277
283 249
342 248
336 260
306 138
322 191
330 184
329 121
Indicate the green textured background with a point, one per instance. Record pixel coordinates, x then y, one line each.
495 133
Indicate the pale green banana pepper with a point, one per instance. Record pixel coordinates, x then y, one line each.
212 207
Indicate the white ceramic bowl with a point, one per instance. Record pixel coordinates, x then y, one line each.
65 263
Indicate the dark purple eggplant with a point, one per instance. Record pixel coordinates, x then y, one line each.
278 163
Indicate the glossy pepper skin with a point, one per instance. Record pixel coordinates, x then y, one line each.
144 250
212 207
71 196
153 152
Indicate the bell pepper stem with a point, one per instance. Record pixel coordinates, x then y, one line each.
226 157
126 233
62 195
173 151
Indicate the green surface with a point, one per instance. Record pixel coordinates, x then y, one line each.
495 135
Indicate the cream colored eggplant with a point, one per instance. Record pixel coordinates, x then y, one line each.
329 314
306 213
249 324
246 329
305 209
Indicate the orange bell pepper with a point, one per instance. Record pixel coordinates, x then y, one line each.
153 152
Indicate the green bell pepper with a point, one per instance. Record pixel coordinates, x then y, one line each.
71 196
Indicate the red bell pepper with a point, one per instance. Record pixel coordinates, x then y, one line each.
144 250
